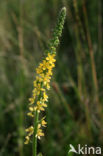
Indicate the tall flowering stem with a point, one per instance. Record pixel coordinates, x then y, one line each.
39 99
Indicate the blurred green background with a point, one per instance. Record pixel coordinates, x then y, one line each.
75 108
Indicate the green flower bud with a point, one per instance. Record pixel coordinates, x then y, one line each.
54 42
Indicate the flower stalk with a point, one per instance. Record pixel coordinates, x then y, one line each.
35 132
39 99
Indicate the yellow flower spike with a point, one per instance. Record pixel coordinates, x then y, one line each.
42 84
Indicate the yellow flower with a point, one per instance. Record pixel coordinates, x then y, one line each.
45 97
35 108
27 140
30 114
41 84
50 58
48 86
42 89
30 130
31 100
44 65
43 123
39 133
31 109
44 105
40 108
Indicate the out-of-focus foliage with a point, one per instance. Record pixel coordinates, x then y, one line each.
75 108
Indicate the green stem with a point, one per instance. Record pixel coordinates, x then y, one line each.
35 132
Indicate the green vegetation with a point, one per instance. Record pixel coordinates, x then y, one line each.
75 108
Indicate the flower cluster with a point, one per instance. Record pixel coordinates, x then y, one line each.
38 101
39 95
